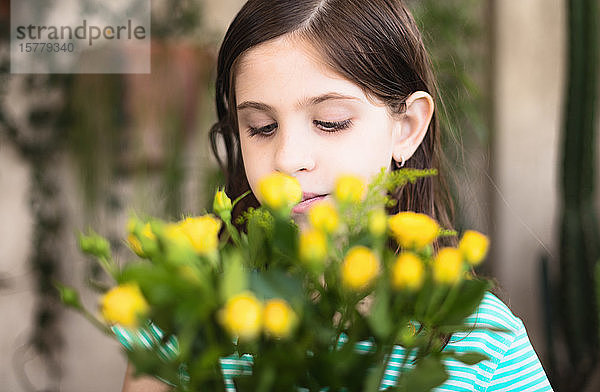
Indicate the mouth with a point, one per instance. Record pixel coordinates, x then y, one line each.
308 199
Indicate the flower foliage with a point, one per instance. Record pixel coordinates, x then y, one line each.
295 300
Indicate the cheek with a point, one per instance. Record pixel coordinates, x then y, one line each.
366 154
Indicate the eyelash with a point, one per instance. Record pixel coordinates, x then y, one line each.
331 127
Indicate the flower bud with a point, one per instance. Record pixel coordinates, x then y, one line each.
413 230
279 318
448 266
242 316
349 189
408 272
359 268
313 247
377 222
279 191
124 305
222 205
323 216
136 244
95 245
69 296
474 246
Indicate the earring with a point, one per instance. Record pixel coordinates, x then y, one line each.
402 162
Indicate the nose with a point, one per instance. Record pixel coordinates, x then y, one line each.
294 149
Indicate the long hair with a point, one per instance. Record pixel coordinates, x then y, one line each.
375 44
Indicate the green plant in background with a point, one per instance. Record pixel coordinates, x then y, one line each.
455 38
83 115
38 135
458 42
579 235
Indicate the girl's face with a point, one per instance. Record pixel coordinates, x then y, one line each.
299 117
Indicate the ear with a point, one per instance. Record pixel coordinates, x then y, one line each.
412 126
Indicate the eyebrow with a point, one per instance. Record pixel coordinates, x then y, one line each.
307 102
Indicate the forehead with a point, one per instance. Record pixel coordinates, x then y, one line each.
287 67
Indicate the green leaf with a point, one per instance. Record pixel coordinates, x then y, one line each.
470 358
465 302
427 374
276 284
285 237
379 318
234 278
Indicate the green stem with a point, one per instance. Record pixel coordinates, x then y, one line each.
93 320
109 267
235 236
448 301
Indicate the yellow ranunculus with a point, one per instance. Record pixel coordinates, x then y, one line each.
474 246
448 266
359 268
323 216
174 233
411 229
279 318
203 232
408 272
279 191
242 316
123 305
350 189
377 222
313 247
222 205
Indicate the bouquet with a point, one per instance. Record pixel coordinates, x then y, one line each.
314 309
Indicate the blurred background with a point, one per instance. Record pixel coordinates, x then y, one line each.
519 82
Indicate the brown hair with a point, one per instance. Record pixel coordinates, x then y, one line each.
375 44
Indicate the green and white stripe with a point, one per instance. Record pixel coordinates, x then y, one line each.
513 364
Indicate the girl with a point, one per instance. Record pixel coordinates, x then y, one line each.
319 88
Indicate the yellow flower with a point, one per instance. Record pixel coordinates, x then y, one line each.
349 189
408 271
474 246
279 191
134 243
412 229
359 268
222 205
203 232
123 305
313 247
279 318
448 266
377 222
323 216
242 316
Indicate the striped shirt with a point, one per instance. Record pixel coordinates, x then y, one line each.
512 365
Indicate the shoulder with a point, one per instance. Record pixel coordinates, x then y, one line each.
493 313
502 337
494 328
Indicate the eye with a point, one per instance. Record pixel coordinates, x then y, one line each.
265 131
332 126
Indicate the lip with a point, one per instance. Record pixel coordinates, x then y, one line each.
308 199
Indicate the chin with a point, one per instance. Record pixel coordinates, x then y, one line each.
301 220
